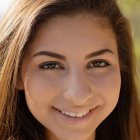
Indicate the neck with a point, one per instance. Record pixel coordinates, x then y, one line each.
51 136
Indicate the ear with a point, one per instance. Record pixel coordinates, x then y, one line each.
19 85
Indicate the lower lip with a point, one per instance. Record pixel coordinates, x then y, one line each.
75 120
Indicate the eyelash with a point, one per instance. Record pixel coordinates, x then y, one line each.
100 63
53 65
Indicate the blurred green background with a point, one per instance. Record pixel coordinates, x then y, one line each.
131 9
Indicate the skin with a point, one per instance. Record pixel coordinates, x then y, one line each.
73 87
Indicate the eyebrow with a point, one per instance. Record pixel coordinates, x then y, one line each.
62 57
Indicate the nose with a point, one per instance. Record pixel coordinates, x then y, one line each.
78 91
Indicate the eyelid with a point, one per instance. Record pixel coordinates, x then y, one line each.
99 60
104 60
50 62
61 67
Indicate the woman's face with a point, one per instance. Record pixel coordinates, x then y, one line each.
71 76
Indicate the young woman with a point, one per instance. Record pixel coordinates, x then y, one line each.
67 72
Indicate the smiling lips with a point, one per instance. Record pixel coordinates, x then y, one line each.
72 114
75 118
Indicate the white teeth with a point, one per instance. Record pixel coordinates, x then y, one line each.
75 114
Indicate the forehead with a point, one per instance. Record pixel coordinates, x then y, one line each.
82 18
81 32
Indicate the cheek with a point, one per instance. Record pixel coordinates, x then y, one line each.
38 88
110 90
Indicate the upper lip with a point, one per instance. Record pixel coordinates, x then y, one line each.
75 110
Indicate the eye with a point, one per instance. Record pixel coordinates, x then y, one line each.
51 65
100 63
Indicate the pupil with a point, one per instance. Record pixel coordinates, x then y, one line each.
99 64
51 65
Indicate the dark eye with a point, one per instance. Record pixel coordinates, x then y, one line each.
50 66
98 64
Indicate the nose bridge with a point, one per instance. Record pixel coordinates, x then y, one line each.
78 89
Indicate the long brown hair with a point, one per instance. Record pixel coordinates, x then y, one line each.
16 32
